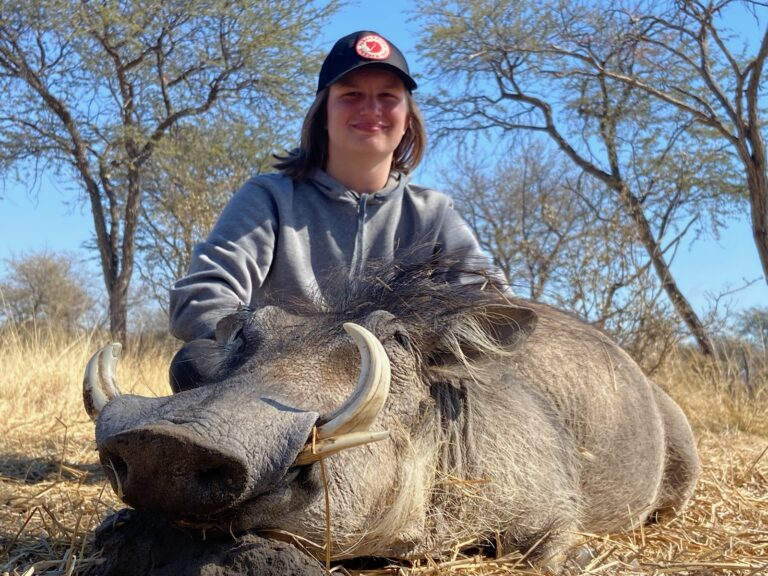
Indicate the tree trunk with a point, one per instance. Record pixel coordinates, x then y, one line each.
680 302
123 266
118 313
758 191
758 201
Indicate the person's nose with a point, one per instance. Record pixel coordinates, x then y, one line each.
371 106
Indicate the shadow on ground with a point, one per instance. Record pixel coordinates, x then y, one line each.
36 470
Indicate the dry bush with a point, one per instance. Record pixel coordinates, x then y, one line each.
53 493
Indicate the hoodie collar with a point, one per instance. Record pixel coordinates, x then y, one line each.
334 189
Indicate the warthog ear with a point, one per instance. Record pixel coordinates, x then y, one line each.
508 324
488 330
195 364
201 361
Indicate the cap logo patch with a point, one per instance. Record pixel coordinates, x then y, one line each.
373 47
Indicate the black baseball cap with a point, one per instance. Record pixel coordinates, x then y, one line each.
359 49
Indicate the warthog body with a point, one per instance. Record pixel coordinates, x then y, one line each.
508 420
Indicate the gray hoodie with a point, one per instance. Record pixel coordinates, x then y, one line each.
280 238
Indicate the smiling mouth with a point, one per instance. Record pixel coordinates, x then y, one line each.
365 127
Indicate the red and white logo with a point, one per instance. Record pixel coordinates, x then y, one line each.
373 47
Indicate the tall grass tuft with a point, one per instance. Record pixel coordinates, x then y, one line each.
41 372
52 491
720 396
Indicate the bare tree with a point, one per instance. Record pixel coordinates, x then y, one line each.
524 212
558 237
691 61
504 70
752 325
92 88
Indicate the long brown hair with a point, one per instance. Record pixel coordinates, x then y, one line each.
312 152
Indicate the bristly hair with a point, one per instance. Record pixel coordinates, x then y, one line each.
433 289
445 305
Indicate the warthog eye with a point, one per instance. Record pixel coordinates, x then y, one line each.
403 339
235 341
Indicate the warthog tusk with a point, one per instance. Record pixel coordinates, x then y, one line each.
367 399
322 448
99 383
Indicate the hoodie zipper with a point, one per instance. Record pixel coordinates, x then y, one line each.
356 267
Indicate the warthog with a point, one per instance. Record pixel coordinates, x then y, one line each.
474 416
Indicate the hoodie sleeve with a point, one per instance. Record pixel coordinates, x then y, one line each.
228 266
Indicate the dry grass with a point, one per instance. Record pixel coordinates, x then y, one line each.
53 493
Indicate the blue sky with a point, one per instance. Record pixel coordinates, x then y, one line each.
53 221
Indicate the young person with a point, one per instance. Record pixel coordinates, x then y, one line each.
341 200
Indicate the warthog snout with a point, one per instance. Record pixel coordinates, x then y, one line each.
170 469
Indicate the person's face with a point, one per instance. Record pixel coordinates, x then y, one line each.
367 114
